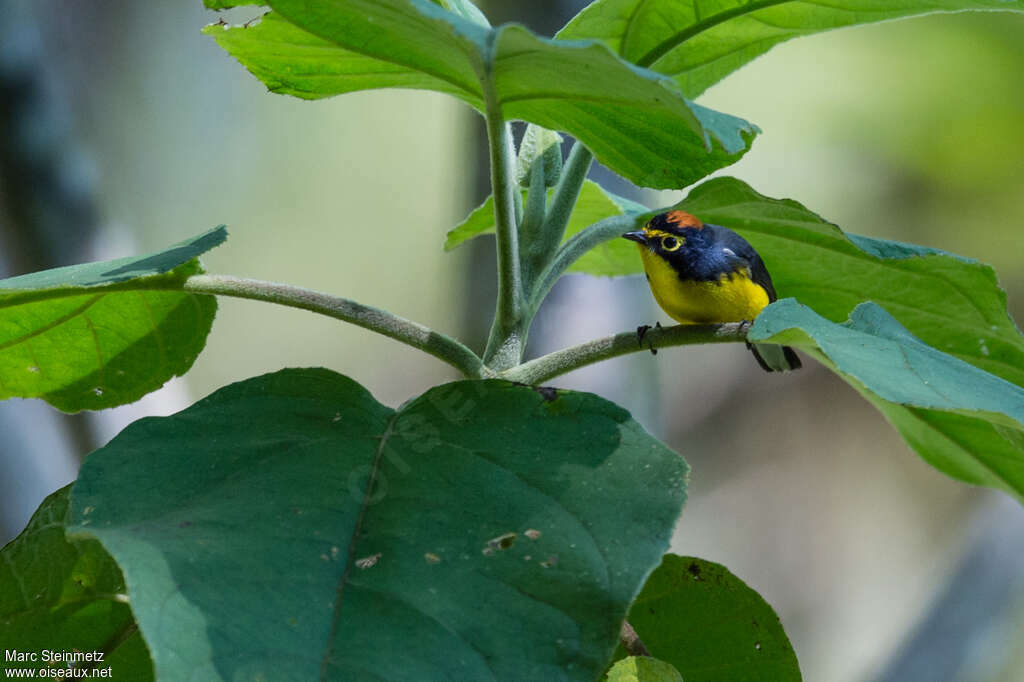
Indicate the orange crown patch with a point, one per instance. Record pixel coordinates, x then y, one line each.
683 219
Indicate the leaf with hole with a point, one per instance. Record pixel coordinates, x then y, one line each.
484 530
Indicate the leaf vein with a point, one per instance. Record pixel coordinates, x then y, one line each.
52 324
350 559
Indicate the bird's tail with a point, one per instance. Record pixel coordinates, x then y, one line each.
774 358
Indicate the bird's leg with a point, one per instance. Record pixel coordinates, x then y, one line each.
641 332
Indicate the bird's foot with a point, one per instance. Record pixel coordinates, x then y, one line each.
641 332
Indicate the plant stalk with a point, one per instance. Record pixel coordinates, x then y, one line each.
507 339
631 641
574 173
531 258
566 360
577 245
410 333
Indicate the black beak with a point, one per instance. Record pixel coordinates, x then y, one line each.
638 237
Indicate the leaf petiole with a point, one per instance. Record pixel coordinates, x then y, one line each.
410 333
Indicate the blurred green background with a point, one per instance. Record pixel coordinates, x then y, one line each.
909 130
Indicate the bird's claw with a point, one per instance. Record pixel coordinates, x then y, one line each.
641 332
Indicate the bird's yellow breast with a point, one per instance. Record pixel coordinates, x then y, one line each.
732 298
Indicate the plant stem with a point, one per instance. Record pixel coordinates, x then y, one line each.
566 360
410 333
631 641
533 220
506 342
577 165
577 245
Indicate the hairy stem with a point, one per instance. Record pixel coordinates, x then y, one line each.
576 246
506 342
533 220
577 165
631 641
410 333
566 360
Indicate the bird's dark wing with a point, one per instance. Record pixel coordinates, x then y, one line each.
745 252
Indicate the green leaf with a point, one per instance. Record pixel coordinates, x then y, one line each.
466 10
64 596
291 527
963 421
952 303
698 43
611 258
479 222
635 121
643 669
710 625
103 334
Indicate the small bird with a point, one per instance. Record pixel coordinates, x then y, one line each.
707 274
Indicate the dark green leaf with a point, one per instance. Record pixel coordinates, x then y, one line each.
964 421
289 527
102 334
698 43
710 625
66 596
952 303
643 669
635 121
612 258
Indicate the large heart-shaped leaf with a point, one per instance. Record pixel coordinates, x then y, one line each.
963 421
698 43
291 527
63 596
103 334
634 120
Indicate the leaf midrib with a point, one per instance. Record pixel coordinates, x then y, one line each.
350 557
674 41
53 324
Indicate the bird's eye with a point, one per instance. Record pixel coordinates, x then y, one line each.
669 243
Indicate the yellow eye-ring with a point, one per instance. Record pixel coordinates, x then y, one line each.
669 244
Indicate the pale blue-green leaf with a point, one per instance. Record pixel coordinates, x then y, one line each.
962 420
